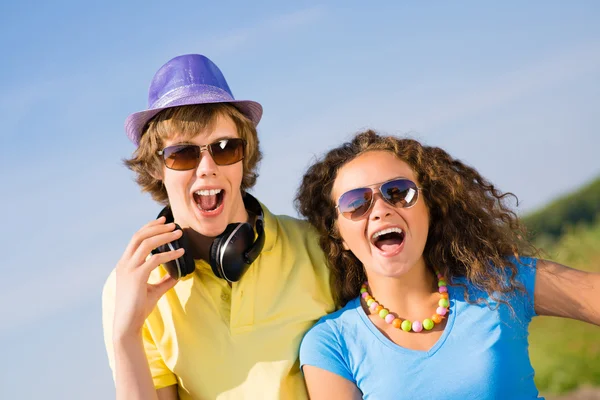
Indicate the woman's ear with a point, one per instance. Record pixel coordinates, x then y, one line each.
335 233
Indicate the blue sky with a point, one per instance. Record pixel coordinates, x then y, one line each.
512 88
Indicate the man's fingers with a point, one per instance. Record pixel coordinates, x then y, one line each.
152 228
161 287
156 259
151 243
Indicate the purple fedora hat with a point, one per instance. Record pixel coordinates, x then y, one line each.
186 80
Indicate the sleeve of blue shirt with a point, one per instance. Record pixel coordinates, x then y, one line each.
321 347
526 270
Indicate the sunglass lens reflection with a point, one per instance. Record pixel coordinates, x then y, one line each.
227 152
355 203
182 157
402 192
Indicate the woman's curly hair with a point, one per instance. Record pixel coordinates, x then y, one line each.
186 122
471 226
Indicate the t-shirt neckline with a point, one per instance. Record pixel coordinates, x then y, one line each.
397 348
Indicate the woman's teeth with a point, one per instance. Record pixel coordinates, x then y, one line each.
385 232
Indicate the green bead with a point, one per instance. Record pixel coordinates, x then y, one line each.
406 325
441 283
369 302
428 324
362 290
443 303
383 313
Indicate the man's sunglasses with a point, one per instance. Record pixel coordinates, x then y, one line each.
399 192
182 157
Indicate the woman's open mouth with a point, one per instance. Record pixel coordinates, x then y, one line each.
389 240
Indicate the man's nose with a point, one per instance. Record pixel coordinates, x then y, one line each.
207 165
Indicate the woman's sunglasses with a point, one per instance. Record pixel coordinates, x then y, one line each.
399 192
182 157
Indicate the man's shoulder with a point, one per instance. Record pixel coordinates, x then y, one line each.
296 232
288 220
296 238
108 290
287 225
278 217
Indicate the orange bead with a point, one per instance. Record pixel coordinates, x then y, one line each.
444 295
379 308
437 318
397 323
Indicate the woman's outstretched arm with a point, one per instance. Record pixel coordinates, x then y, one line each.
561 291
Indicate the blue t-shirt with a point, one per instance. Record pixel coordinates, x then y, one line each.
482 353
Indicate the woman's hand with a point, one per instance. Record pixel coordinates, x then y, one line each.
135 298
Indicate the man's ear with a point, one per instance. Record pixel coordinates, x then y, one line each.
157 173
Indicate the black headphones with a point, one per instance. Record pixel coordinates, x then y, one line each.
231 253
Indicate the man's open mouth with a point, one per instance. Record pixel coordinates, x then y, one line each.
209 199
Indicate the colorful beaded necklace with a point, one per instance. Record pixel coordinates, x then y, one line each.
406 325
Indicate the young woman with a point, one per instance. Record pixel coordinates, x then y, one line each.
436 281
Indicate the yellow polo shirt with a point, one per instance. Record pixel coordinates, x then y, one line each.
241 342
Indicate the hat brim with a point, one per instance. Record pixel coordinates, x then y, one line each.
135 123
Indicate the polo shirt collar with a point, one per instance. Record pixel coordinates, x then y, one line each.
270 228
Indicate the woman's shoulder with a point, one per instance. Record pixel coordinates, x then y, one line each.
523 271
326 344
337 322
521 262
517 285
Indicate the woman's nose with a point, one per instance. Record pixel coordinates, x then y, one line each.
380 208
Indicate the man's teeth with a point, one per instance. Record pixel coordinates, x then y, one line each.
208 192
386 231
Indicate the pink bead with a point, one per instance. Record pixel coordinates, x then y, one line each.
417 326
441 311
365 295
439 276
443 289
389 318
373 306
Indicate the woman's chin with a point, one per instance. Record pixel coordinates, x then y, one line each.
390 268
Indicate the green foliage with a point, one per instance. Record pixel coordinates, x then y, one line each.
575 208
566 353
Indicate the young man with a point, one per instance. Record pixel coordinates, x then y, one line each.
215 306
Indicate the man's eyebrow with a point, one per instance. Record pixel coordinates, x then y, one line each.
218 139
223 138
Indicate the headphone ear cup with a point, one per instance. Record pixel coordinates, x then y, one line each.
188 265
233 252
182 266
215 250
228 258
